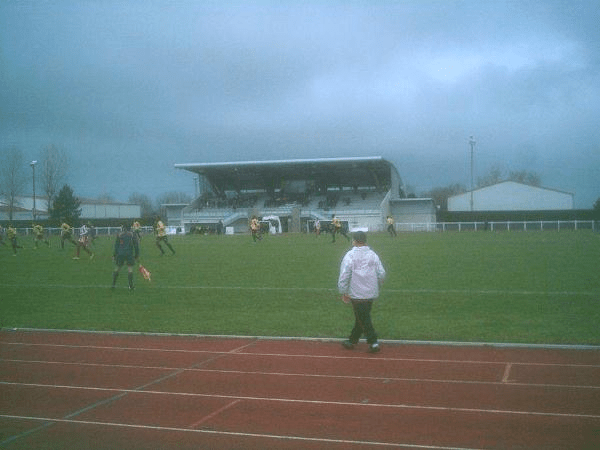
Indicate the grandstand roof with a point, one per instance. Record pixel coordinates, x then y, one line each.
247 175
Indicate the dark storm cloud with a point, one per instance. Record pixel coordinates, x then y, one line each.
176 81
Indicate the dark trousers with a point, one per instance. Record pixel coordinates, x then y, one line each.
363 324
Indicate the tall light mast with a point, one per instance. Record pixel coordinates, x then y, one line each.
472 144
32 164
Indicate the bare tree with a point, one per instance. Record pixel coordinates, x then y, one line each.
494 176
12 178
172 198
145 204
440 195
53 171
105 197
522 176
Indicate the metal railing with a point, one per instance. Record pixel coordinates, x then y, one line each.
539 225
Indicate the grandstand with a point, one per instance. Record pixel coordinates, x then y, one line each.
360 191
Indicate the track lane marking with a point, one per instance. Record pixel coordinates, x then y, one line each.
306 375
315 402
289 355
506 373
240 434
214 413
120 394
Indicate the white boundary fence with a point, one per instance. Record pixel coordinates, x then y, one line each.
100 231
540 225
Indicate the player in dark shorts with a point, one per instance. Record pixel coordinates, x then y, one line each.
11 234
66 234
127 250
137 230
86 237
337 228
39 236
161 236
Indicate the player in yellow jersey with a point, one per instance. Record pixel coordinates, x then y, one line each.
66 234
390 226
11 234
336 224
38 235
161 236
136 228
255 229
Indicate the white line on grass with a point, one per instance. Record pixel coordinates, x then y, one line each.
312 289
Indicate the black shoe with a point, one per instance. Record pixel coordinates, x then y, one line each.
348 345
374 348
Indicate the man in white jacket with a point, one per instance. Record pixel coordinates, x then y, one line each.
361 273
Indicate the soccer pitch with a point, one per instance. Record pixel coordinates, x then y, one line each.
505 287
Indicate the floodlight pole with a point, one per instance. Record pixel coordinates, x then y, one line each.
472 143
32 164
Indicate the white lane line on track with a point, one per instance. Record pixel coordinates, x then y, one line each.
307 375
298 355
238 434
214 413
121 392
312 289
506 373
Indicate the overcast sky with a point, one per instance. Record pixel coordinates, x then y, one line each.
129 88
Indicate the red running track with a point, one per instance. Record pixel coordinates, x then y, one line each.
69 390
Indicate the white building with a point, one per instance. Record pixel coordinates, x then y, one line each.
90 209
511 196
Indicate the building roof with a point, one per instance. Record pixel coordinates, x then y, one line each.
247 175
516 183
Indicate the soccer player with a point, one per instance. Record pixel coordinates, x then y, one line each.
85 239
317 227
391 229
255 229
11 234
38 232
361 272
336 224
161 236
137 230
126 250
66 234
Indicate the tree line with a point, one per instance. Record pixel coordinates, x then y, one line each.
49 174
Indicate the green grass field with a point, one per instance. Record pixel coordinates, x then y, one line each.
512 287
